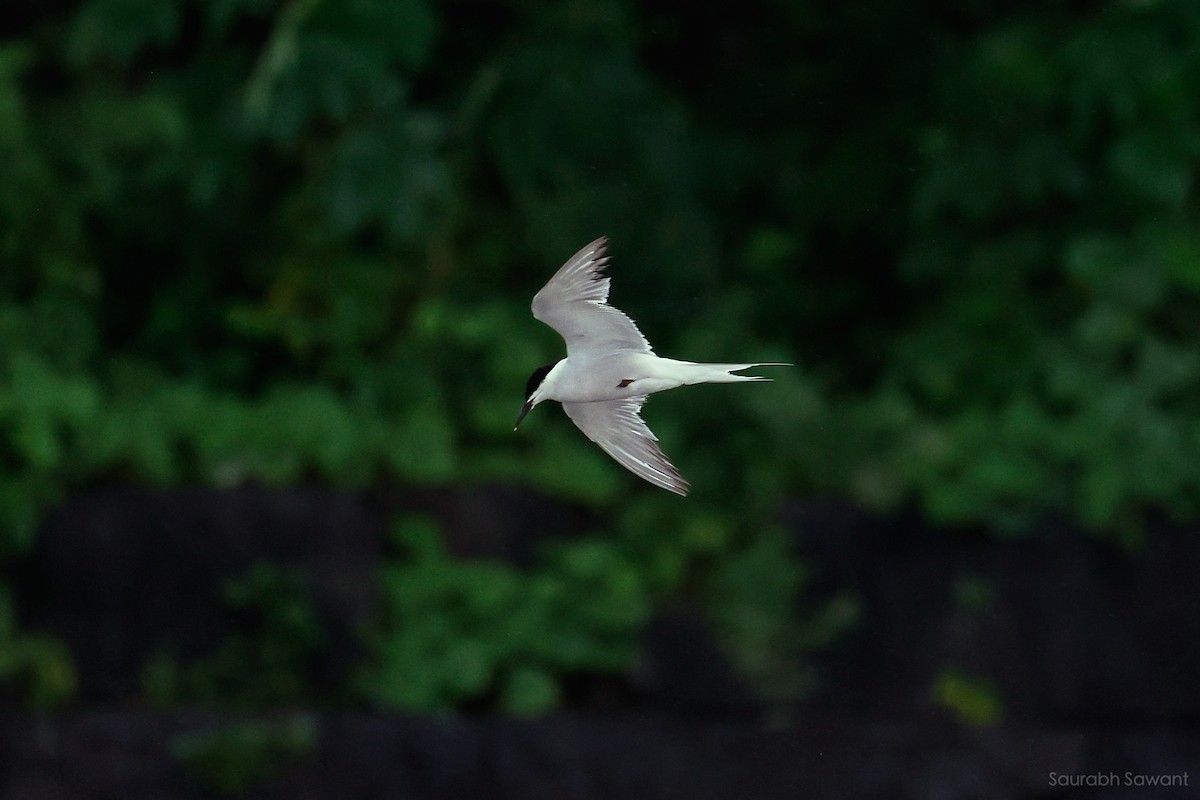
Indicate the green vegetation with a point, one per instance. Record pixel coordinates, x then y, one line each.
455 632
969 699
751 597
264 664
232 761
37 668
247 241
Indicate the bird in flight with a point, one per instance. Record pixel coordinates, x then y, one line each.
610 369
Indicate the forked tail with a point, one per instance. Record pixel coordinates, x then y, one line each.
723 373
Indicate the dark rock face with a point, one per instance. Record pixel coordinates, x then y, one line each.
362 757
494 522
121 574
1093 654
1069 628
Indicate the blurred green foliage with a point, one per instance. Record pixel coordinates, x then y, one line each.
971 700
235 760
751 596
38 669
452 633
283 242
265 663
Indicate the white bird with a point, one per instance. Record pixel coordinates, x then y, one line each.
610 369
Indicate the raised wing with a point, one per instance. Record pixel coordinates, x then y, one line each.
616 426
575 303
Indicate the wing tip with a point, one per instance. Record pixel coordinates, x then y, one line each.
599 249
595 248
671 479
682 488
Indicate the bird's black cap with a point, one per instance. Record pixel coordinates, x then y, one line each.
535 380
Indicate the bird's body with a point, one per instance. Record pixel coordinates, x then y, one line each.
625 374
610 369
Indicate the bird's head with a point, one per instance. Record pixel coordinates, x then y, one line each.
532 395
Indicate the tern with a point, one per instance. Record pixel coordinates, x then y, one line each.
610 369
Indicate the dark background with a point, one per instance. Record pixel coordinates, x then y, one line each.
265 272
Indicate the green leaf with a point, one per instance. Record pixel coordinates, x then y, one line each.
232 761
121 29
972 700
331 60
529 692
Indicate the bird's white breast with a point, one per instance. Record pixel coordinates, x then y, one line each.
574 380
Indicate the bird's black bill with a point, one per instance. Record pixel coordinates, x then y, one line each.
524 410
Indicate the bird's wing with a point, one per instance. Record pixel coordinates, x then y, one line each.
575 303
617 428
